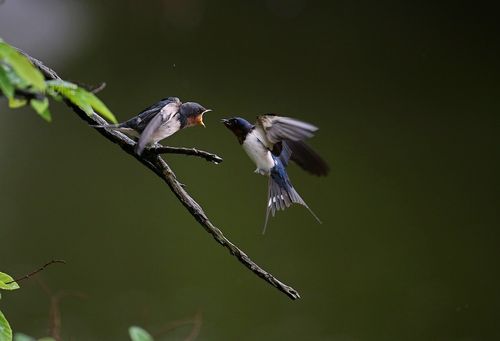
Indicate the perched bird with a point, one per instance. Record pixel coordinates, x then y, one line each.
161 120
270 144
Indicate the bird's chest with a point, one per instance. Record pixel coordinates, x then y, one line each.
258 153
166 129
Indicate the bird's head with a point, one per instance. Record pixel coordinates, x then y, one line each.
193 112
239 126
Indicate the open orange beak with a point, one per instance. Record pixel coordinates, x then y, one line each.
199 119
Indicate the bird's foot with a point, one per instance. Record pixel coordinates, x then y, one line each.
260 171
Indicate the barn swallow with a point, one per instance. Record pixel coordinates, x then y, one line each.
271 143
161 120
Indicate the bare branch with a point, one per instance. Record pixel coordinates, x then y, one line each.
156 164
159 149
37 271
196 321
55 322
91 88
98 88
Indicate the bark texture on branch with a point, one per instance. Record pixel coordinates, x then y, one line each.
155 163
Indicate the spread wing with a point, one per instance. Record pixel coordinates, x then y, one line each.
140 122
150 132
278 129
304 156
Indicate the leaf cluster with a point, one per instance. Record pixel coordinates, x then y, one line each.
6 283
22 84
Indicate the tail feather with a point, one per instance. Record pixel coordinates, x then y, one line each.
122 128
281 194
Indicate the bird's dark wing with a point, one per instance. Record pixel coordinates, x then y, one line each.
304 156
279 128
148 134
140 122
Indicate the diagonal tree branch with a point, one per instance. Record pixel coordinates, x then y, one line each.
155 163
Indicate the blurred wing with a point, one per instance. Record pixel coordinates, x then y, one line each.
304 156
161 119
278 128
141 121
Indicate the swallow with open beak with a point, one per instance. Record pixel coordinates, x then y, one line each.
271 143
160 121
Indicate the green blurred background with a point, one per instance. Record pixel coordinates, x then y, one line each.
406 96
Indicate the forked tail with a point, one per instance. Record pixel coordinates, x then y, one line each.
281 193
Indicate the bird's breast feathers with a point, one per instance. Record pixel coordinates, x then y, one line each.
171 126
258 152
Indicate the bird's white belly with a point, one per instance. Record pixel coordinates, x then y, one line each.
258 153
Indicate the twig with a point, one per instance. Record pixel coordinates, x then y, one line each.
55 321
98 88
156 164
37 271
28 94
195 321
159 149
91 88
55 324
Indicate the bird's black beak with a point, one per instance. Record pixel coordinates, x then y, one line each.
225 122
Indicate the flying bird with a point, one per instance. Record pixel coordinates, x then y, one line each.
271 143
160 121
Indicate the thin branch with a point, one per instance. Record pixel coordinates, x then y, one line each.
28 94
156 164
17 280
98 88
55 321
91 88
55 324
195 321
159 149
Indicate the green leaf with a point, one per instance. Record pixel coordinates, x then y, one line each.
6 86
17 102
4 279
98 105
60 85
139 334
22 66
23 337
5 330
42 108
86 101
54 94
15 80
